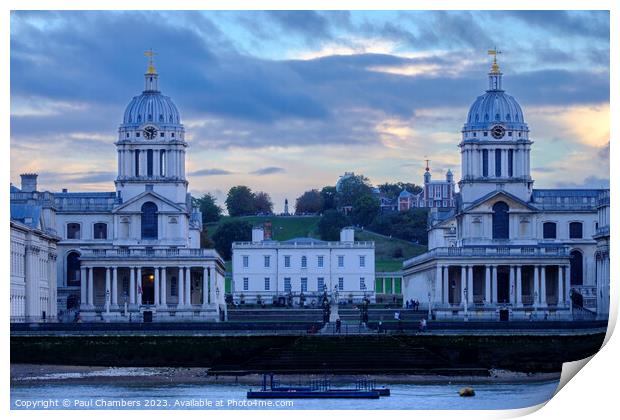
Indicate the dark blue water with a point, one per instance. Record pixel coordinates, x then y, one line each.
216 396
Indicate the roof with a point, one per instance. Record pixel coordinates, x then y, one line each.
304 240
498 192
566 199
28 214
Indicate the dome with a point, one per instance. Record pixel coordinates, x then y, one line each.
151 107
495 107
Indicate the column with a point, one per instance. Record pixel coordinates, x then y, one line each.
504 163
543 286
494 282
512 284
91 294
83 286
157 301
463 283
519 287
115 286
446 285
108 289
491 165
156 166
181 288
132 286
205 286
487 284
139 286
164 289
568 279
560 285
188 286
470 283
536 287
438 282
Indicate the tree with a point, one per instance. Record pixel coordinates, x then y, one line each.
309 202
408 225
328 194
240 201
331 223
365 209
351 189
392 190
229 232
262 203
211 212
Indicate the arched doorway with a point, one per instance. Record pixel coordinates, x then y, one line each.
73 269
500 220
149 220
576 268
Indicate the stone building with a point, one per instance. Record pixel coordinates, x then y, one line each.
507 250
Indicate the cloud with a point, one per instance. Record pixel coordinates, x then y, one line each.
210 172
270 170
588 182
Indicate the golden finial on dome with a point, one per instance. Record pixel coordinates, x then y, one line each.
494 66
151 68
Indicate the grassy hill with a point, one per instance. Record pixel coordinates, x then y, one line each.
288 227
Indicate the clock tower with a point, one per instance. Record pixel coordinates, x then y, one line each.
495 144
151 145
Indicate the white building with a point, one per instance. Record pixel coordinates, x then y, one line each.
134 253
602 254
507 250
33 254
269 270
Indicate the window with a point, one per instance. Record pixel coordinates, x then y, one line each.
246 261
73 231
362 283
73 269
127 135
576 268
174 286
341 283
510 157
575 230
304 284
304 262
137 134
267 261
485 163
319 261
498 162
246 283
100 231
161 134
362 261
267 283
149 162
549 230
149 220
485 134
500 220
172 134
340 261
320 284
287 261
136 155
287 284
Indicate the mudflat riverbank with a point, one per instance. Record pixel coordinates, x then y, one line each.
31 374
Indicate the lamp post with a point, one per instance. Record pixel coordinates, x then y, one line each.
107 302
125 302
429 305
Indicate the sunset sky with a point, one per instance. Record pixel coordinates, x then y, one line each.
287 101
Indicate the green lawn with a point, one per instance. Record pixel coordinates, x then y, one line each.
283 227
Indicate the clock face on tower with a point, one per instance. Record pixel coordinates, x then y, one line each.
498 132
149 132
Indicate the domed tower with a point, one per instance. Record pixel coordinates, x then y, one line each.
151 145
495 145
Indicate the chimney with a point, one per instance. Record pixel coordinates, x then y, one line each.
64 190
29 182
258 235
267 230
347 235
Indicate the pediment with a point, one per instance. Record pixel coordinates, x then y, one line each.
486 203
134 205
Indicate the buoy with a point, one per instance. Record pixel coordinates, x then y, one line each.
467 392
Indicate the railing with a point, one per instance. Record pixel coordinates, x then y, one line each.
156 253
490 251
361 244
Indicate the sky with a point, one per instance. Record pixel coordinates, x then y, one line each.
284 102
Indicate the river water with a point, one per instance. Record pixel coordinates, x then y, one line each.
121 395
